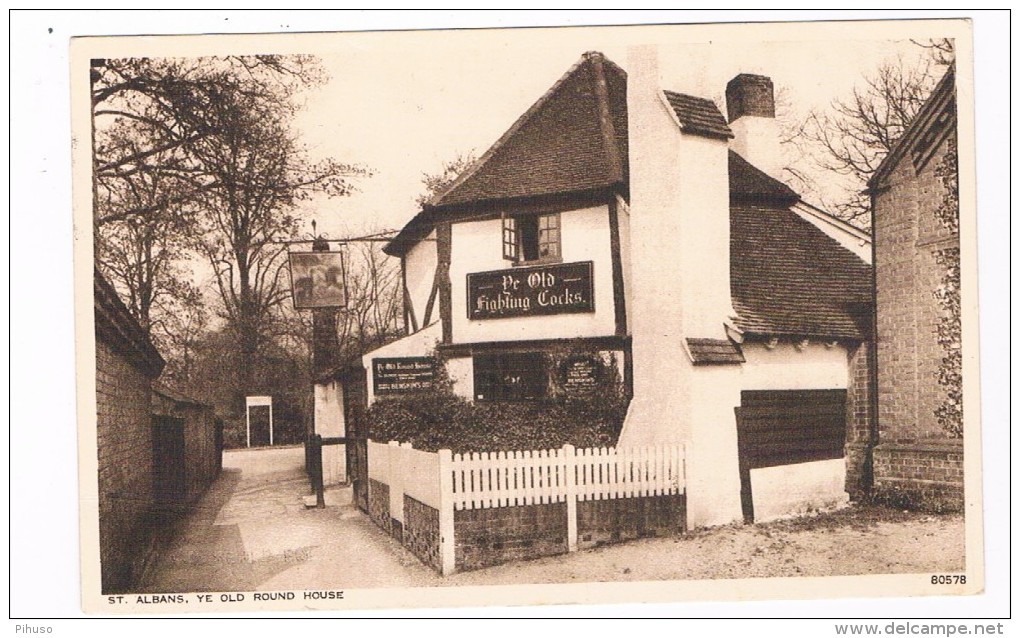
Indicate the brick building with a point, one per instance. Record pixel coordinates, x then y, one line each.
918 444
157 449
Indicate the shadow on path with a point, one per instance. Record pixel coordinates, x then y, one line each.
251 531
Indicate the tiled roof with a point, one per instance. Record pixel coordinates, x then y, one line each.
699 116
574 138
941 104
789 278
747 182
177 397
116 327
714 351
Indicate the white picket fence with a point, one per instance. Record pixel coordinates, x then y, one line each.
501 479
449 482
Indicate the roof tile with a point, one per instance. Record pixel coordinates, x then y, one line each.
698 116
705 351
748 182
789 278
557 146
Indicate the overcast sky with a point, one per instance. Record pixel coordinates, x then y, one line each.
403 105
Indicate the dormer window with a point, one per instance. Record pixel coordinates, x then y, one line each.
531 238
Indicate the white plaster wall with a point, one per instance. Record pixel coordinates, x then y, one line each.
791 490
462 374
818 366
420 344
756 139
477 247
329 421
420 267
659 410
713 472
702 245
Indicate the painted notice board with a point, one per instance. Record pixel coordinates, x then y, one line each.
398 375
580 375
532 291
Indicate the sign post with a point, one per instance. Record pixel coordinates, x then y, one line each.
256 401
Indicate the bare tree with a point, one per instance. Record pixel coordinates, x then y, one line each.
179 333
199 152
171 104
435 182
852 137
374 300
262 173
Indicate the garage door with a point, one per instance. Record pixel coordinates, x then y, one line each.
785 427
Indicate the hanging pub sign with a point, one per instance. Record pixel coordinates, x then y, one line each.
317 280
398 375
534 291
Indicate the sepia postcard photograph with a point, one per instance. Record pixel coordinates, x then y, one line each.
545 316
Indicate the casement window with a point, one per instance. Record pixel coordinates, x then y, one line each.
522 376
531 238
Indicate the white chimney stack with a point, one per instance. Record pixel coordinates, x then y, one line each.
680 287
654 305
751 107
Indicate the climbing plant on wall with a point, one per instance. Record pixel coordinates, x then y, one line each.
948 212
948 330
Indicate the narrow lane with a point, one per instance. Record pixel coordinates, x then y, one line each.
252 532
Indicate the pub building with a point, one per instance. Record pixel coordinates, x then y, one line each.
640 226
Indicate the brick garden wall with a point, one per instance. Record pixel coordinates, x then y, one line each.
926 475
123 425
623 519
379 505
421 532
915 449
486 537
451 531
860 424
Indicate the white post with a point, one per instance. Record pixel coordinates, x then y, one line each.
270 423
247 422
447 549
570 485
396 476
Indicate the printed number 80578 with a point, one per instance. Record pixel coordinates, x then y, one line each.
949 579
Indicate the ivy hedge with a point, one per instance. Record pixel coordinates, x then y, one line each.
439 419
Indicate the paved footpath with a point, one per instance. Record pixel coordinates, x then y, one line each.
251 531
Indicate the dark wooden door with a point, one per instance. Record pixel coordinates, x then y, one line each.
168 470
258 421
784 427
355 388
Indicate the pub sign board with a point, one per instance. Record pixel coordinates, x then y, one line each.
399 375
532 291
317 280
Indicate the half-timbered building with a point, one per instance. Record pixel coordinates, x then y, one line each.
620 220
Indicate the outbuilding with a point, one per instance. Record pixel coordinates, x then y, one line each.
157 449
917 445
